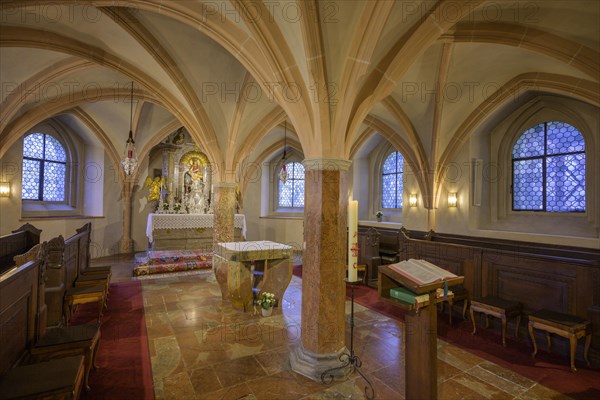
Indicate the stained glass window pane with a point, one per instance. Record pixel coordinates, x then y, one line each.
531 143
33 145
399 191
388 196
291 194
54 181
389 165
528 185
565 183
31 175
549 169
299 193
44 168
54 150
391 181
564 138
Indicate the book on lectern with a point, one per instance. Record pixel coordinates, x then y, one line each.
421 272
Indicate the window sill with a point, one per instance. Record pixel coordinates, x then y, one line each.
58 217
383 224
299 217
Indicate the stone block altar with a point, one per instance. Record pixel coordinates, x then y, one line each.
187 231
245 269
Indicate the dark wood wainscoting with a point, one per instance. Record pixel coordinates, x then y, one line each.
560 278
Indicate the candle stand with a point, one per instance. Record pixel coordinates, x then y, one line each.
351 358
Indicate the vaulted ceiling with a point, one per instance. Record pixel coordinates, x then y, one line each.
422 74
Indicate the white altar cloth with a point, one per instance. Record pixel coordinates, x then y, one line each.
188 221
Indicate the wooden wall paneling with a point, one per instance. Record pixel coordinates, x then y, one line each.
18 309
532 281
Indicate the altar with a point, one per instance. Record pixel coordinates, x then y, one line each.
187 231
246 269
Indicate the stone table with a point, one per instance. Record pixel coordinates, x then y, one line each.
245 269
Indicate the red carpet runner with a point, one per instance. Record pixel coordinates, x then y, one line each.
124 369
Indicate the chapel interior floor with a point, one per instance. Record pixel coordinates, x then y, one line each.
201 348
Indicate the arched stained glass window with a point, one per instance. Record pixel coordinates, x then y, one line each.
291 193
391 181
44 168
549 169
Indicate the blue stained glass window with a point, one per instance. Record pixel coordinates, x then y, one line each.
391 181
549 169
291 193
44 168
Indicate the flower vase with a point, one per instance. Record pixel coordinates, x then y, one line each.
378 219
266 312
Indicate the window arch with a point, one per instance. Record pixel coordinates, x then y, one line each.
291 193
44 168
548 167
392 174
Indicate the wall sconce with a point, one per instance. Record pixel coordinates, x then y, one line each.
452 199
412 200
4 189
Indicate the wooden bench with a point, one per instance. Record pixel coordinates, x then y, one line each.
56 379
565 325
499 308
18 242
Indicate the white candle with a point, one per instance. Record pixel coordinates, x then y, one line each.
352 240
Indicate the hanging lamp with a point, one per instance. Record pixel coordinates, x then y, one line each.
283 174
129 161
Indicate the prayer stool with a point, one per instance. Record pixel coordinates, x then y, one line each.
460 294
69 341
364 269
565 325
55 379
82 295
499 308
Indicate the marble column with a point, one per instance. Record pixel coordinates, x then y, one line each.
323 269
126 244
223 201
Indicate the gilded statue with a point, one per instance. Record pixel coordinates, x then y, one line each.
155 186
195 162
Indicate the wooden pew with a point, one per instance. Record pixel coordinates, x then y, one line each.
15 243
21 323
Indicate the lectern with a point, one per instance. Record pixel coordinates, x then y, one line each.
420 321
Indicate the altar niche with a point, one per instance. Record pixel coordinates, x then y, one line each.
183 184
195 192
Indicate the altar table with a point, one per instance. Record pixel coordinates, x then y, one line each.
187 231
251 268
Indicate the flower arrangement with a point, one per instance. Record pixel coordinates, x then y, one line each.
379 214
266 300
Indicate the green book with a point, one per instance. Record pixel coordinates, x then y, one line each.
402 293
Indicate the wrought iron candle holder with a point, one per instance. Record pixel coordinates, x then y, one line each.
350 359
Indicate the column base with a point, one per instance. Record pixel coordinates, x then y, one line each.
126 246
312 365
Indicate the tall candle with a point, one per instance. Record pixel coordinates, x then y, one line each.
352 240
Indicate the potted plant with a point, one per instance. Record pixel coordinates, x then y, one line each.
379 215
266 301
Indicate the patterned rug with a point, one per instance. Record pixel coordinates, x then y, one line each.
165 261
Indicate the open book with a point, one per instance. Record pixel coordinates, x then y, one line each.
421 272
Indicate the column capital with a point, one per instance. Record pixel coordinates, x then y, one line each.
322 164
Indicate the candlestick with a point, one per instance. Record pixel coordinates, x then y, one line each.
352 240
